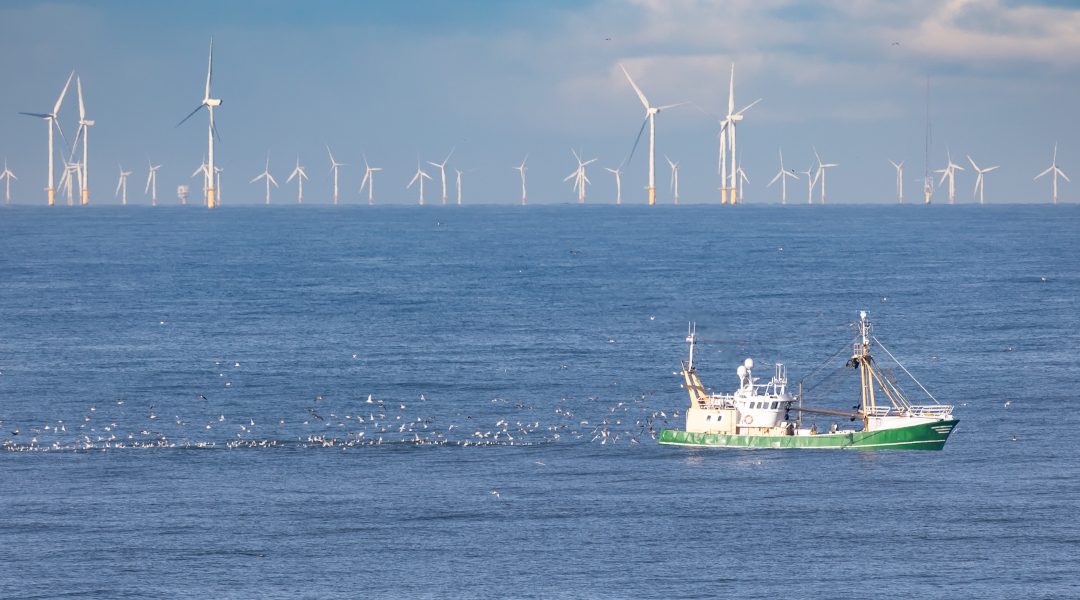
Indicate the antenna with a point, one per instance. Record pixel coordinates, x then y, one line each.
691 331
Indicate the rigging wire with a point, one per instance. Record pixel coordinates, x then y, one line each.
898 363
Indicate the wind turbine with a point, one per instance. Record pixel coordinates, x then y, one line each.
674 179
206 179
899 179
650 118
84 131
949 172
521 169
266 176
1055 171
618 182
217 183
6 176
742 179
211 131
458 171
334 166
122 186
151 183
442 172
821 172
66 186
810 183
782 175
727 134
579 177
369 181
980 183
300 176
421 175
51 120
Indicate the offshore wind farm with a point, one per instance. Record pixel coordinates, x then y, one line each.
392 299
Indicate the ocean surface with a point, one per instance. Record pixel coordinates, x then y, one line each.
184 398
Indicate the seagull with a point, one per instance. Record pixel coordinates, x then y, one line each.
201 397
1007 403
495 493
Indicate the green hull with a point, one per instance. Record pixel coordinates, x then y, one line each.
926 436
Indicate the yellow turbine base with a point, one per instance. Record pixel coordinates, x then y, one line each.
51 194
211 198
85 199
652 196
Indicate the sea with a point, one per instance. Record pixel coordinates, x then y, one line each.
463 402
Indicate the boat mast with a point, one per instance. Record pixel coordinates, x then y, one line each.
862 359
691 381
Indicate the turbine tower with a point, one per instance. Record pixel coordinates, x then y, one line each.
618 182
121 186
267 177
674 179
369 181
980 183
211 131
1054 171
300 176
949 172
782 175
84 131
821 173
899 179
421 175
650 118
151 183
334 166
52 120
727 134
458 171
217 183
579 177
6 176
442 172
521 169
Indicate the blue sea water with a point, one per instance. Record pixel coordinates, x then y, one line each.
231 355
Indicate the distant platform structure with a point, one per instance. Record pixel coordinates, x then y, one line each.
182 192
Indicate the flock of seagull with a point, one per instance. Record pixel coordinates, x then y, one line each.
124 424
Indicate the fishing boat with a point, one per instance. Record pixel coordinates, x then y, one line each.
766 415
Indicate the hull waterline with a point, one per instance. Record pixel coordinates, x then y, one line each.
925 436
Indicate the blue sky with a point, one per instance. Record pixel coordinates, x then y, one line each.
402 80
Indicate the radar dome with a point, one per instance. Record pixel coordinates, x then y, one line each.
748 363
741 371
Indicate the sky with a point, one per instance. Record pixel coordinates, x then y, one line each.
401 81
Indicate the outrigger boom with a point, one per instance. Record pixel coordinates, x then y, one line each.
757 415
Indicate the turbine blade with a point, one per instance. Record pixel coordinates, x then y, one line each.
190 114
747 107
209 69
667 106
1047 171
38 115
1063 175
82 109
778 176
640 94
637 140
60 100
972 162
